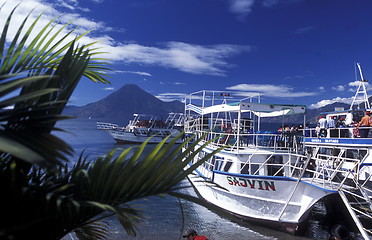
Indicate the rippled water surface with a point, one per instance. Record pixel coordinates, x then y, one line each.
168 217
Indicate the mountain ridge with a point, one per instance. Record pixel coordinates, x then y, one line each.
123 103
130 99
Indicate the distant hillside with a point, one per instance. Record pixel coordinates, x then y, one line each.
130 99
123 103
311 114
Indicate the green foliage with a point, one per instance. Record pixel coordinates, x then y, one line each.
41 197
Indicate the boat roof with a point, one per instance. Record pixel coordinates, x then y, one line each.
206 101
151 115
259 109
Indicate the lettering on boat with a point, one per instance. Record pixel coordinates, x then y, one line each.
316 140
251 183
331 140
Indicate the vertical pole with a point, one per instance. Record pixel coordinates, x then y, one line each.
238 132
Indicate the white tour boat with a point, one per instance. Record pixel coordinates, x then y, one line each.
274 177
144 126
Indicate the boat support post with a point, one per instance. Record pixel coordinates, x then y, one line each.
353 215
296 186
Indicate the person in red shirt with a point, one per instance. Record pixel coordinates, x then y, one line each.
192 235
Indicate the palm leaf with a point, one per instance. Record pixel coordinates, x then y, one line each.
111 180
93 230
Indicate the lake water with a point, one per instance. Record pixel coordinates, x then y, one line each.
169 217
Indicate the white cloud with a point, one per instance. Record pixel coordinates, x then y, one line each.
327 102
269 90
356 84
109 89
66 5
190 58
349 100
241 7
168 97
339 88
135 72
185 57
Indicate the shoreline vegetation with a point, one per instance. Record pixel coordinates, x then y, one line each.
40 193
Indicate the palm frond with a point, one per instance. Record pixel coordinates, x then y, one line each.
111 181
36 81
95 230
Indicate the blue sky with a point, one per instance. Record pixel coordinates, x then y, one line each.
292 51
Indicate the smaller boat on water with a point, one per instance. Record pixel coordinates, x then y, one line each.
143 126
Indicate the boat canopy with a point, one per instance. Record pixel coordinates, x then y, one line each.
259 109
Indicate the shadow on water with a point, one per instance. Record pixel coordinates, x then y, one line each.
168 217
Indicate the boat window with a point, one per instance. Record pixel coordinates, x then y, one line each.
274 166
227 166
356 153
213 161
335 151
244 168
218 165
254 168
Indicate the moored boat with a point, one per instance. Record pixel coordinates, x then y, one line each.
143 126
272 177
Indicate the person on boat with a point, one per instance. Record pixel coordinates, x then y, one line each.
339 232
356 132
365 123
340 123
192 235
331 124
322 125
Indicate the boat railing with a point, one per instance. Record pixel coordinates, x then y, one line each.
106 126
195 125
262 140
317 168
324 171
341 132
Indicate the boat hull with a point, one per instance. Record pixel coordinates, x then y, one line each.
131 137
260 198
